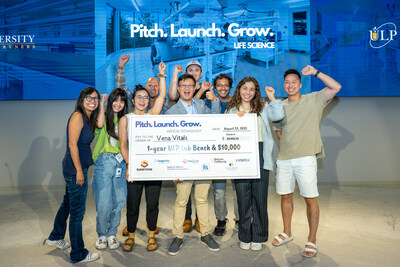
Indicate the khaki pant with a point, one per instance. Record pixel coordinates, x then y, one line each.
183 190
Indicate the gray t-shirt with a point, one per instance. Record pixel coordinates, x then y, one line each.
301 134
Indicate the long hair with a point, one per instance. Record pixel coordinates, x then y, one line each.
79 107
256 103
114 96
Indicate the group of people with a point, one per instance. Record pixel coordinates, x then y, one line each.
296 123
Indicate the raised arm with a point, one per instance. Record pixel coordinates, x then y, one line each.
159 103
100 118
74 131
173 94
332 86
204 87
275 111
123 140
120 81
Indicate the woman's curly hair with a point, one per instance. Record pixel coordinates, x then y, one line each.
256 103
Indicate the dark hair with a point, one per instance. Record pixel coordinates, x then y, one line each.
114 96
79 107
138 88
223 76
256 103
291 71
186 76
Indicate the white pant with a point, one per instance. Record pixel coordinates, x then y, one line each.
304 170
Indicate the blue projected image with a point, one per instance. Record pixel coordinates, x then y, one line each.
343 45
238 56
54 49
46 49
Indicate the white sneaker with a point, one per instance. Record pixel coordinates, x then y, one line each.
101 242
245 246
255 246
91 256
113 242
61 244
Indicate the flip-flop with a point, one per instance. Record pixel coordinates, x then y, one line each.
282 241
313 250
129 245
152 243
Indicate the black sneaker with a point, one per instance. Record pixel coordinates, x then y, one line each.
175 245
220 228
208 241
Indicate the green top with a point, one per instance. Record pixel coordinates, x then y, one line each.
105 143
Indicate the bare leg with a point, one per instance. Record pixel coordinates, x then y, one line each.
287 212
313 220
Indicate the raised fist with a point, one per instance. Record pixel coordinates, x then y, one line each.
270 92
162 67
178 69
210 95
123 60
308 70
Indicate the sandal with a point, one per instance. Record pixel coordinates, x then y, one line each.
127 246
152 242
282 241
313 250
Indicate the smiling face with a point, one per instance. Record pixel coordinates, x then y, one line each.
292 84
195 71
186 90
141 100
152 86
91 102
118 105
222 87
247 92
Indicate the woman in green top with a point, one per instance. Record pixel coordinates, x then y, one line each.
109 184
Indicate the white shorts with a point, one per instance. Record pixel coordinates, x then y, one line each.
304 170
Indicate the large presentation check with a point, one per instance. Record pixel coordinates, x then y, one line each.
193 147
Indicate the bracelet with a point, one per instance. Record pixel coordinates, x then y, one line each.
162 75
316 74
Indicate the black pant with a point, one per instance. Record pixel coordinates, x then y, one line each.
252 197
152 191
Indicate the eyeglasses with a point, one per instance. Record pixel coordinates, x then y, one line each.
91 99
144 97
187 86
223 85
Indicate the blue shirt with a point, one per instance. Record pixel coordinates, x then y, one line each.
191 109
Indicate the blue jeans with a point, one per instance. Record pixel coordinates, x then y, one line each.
220 208
73 205
109 193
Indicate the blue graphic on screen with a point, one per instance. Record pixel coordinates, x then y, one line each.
358 44
46 49
238 56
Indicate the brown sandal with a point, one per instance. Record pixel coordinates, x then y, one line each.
152 242
127 247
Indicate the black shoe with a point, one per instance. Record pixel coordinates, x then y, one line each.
175 245
237 224
208 241
220 228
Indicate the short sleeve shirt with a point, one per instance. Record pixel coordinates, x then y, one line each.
301 134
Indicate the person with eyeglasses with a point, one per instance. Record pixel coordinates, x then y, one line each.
152 84
188 105
223 84
88 115
193 68
140 100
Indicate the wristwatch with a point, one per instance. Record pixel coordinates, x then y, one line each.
316 74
